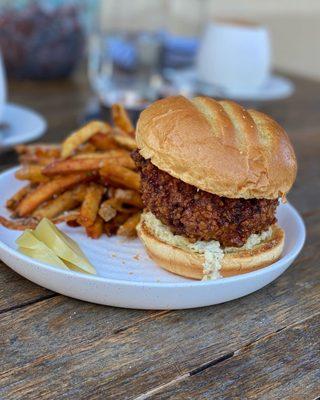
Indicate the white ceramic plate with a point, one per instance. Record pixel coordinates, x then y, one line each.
20 125
127 278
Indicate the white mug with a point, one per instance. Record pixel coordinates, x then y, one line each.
234 56
3 88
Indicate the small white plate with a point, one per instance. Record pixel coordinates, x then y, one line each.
277 87
20 125
128 278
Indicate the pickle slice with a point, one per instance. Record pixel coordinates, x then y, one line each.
63 246
34 248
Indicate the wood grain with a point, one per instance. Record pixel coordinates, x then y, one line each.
283 366
62 348
306 190
16 291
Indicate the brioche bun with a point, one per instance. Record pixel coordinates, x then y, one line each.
189 264
218 146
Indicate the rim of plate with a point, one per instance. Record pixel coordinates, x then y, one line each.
300 240
25 137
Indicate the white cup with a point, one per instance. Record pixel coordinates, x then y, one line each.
3 88
234 55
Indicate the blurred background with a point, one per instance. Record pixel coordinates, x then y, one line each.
253 51
294 25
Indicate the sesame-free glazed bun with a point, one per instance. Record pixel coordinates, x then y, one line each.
187 263
218 146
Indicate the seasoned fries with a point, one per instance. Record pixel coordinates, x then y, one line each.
130 197
122 120
128 228
90 180
32 159
83 135
64 202
107 211
95 231
31 222
126 142
87 162
90 206
114 153
63 167
103 141
32 173
19 225
14 201
39 150
111 227
46 191
119 175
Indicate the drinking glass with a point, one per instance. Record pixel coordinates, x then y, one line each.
124 52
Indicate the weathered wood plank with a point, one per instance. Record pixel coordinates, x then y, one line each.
298 112
16 291
126 353
284 366
306 190
60 328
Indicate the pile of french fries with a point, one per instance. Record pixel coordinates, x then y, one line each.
89 180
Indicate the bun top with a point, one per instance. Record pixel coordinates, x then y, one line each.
218 146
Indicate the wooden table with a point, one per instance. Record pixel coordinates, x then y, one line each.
263 346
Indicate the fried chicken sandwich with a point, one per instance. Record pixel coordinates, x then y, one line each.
212 174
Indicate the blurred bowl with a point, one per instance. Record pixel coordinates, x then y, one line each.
41 42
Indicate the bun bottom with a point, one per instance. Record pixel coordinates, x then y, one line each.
187 263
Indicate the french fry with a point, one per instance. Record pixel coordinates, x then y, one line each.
111 227
46 191
123 161
86 148
62 167
107 211
70 217
95 231
73 223
90 206
126 196
119 156
114 153
19 225
64 202
89 163
14 201
120 218
103 141
119 175
128 228
125 141
39 150
33 159
32 173
22 224
121 119
83 135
